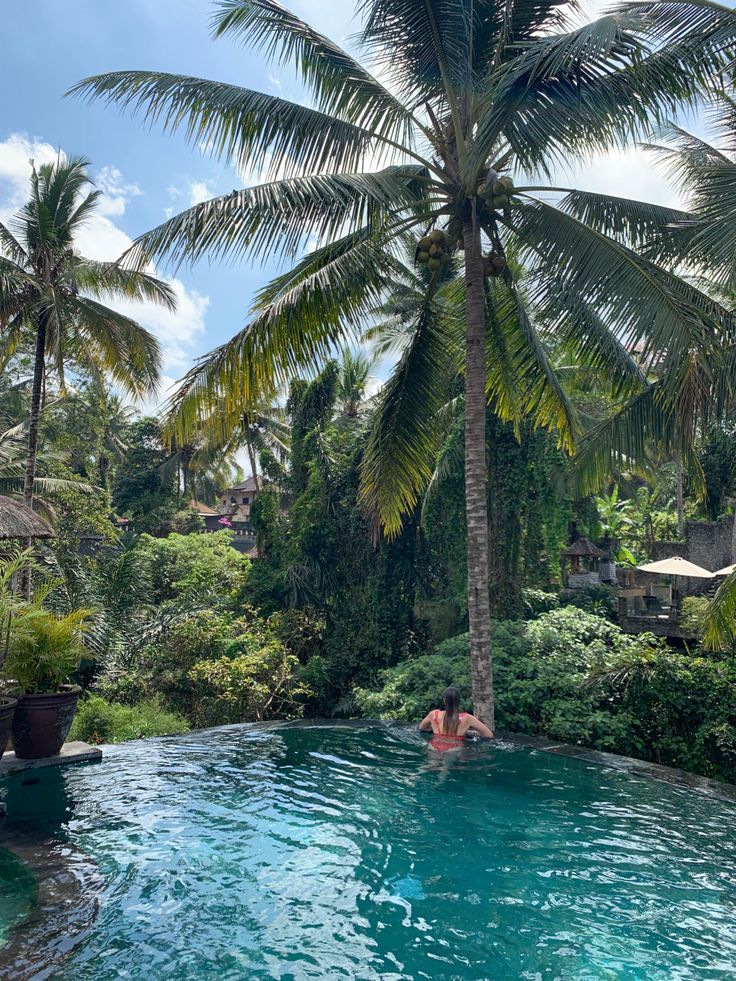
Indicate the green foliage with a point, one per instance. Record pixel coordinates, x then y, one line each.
44 650
213 668
187 522
99 721
528 514
354 599
412 688
184 567
537 601
142 490
693 613
38 649
574 677
602 601
78 513
718 460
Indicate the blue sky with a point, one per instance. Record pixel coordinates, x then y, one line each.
49 45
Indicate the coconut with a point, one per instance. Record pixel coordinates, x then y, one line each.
498 261
422 256
424 243
437 236
500 201
435 249
435 263
499 187
508 183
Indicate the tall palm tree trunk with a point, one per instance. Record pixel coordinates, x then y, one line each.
476 508
253 465
32 451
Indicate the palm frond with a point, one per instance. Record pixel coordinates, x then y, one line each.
406 435
279 218
253 130
719 625
341 85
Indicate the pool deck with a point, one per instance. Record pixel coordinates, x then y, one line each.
76 752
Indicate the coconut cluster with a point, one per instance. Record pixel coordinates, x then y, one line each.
495 265
434 250
497 195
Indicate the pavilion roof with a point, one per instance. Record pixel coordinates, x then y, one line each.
583 548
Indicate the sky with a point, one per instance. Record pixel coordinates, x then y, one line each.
146 175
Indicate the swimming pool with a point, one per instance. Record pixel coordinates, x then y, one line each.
337 852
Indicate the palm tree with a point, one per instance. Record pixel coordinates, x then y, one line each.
473 91
50 291
355 370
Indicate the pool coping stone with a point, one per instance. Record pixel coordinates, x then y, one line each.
74 752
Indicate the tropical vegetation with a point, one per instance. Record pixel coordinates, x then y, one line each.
560 365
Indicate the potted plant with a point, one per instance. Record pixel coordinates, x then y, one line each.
7 711
11 620
40 660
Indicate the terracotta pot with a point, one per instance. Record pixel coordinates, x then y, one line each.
7 711
42 722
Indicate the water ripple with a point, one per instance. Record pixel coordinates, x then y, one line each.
331 852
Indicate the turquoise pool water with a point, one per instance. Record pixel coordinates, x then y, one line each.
330 852
17 892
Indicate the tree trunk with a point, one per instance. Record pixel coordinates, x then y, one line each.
476 511
36 393
680 502
253 465
104 466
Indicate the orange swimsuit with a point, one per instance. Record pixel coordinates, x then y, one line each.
440 742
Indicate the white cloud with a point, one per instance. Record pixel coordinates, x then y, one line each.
199 192
101 238
630 173
115 191
16 154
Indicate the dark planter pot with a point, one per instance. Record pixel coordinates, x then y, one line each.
7 711
42 723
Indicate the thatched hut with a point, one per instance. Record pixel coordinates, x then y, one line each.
19 521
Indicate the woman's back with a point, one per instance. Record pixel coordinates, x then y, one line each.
464 723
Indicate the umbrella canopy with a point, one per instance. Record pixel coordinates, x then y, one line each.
677 566
725 572
19 521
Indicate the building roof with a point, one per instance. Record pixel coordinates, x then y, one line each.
583 548
249 484
202 508
19 521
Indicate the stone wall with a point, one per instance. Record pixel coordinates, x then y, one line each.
707 544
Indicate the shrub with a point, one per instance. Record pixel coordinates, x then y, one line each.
214 668
414 687
182 567
99 721
599 600
692 615
537 601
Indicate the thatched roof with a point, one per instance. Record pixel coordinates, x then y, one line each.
19 521
583 548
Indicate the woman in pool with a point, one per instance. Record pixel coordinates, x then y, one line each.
450 726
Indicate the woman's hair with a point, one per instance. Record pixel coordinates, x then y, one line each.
451 701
